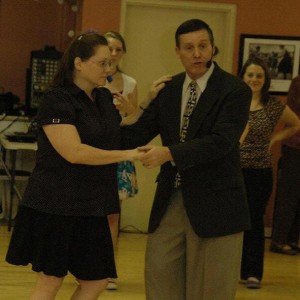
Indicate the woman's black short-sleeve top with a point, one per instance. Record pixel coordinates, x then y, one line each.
60 187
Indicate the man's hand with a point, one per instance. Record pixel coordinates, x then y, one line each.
154 156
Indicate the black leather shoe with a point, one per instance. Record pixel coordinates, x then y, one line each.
280 249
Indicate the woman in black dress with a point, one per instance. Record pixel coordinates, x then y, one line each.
61 224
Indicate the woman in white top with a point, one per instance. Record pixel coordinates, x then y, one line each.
124 90
120 82
125 85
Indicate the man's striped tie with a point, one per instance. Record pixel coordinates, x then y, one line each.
192 101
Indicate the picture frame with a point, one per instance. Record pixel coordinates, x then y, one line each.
281 54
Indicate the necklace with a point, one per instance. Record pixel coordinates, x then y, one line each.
114 72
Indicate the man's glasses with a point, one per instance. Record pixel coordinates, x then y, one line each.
102 64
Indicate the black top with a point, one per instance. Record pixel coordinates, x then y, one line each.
59 187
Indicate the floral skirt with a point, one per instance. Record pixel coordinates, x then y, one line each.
127 182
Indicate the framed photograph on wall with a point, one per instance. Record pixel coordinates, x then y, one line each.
281 54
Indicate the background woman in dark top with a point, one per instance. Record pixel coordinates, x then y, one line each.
286 223
62 223
256 161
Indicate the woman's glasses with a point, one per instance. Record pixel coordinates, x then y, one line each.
102 64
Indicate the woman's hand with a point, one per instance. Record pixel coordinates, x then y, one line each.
135 154
154 156
156 87
272 142
122 104
291 124
133 114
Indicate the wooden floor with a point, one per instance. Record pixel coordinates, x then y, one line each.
281 282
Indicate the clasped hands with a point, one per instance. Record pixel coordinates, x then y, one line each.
152 156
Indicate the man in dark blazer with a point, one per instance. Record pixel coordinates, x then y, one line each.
195 230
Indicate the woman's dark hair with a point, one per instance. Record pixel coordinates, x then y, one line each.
83 46
117 36
293 99
259 62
